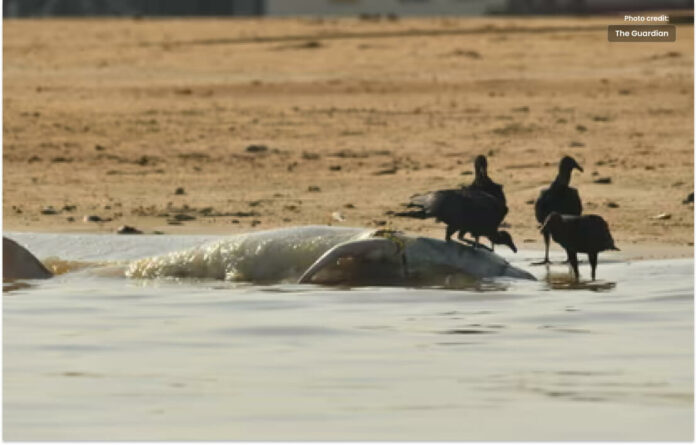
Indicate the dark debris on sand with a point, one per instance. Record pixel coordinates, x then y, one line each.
128 230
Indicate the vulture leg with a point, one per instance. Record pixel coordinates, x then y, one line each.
547 237
486 247
593 263
449 232
468 241
475 244
573 258
567 260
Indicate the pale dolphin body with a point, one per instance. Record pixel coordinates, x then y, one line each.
328 255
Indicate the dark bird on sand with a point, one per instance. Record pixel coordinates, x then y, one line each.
559 197
482 182
580 234
464 211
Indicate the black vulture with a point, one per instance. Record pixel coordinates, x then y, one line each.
580 233
483 182
464 211
559 197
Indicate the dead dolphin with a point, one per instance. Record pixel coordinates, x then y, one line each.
311 254
328 255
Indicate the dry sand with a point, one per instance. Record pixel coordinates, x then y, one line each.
110 117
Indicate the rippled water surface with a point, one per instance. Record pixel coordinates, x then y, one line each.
91 356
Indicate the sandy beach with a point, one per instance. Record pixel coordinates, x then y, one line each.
265 123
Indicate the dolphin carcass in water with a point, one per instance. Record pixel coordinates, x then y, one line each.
18 262
324 255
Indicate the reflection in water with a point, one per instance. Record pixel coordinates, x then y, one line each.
492 286
10 285
467 332
566 280
559 281
566 329
587 386
464 282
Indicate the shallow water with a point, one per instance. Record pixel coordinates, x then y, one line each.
90 357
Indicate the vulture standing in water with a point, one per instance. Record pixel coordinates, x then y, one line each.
558 198
586 234
465 211
482 182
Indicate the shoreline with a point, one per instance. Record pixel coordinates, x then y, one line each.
628 252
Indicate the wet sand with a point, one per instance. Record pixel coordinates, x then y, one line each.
109 117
